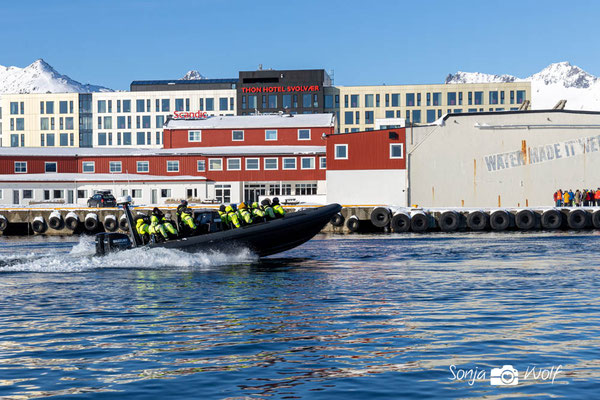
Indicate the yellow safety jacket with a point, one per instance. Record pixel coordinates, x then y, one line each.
233 219
224 218
156 227
246 217
278 210
188 220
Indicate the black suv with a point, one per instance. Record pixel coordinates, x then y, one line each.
102 199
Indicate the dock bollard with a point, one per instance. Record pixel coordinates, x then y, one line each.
477 220
39 225
91 222
55 220
72 220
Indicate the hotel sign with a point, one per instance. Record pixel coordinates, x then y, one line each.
281 89
190 115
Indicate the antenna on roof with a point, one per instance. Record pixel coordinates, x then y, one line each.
260 67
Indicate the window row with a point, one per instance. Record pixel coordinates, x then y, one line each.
431 99
341 151
125 138
64 139
238 135
47 123
124 122
214 164
166 105
64 107
308 100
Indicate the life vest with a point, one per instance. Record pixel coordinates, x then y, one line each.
169 226
233 218
224 218
246 217
279 211
141 227
187 219
269 212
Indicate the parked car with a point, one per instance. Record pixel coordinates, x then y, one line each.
102 199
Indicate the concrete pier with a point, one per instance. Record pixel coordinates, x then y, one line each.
58 220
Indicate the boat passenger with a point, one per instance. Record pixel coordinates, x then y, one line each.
244 213
182 206
266 205
168 226
187 220
258 214
232 217
142 228
279 211
156 227
224 217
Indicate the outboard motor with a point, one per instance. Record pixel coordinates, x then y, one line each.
111 242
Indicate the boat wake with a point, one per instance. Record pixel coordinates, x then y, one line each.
81 258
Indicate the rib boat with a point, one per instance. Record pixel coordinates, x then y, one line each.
263 238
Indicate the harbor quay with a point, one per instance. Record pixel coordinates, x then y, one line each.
351 219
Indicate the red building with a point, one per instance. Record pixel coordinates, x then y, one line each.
367 168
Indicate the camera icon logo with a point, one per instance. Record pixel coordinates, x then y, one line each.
505 376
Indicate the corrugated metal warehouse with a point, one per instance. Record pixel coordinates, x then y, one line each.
508 159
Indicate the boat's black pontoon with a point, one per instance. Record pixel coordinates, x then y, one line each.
264 238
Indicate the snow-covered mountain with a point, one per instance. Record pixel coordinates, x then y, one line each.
556 82
40 77
192 75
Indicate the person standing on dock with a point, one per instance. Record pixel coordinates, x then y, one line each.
577 198
566 198
597 198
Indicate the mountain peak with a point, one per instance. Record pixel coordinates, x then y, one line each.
566 74
477 77
192 75
41 77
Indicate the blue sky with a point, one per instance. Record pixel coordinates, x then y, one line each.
114 42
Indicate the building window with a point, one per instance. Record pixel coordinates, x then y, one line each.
451 98
252 164
165 193
64 139
172 166
368 100
223 104
354 102
136 193
512 97
27 194
194 136
57 194
494 97
44 124
289 163
428 99
215 164
437 99
126 106
49 167
395 100
307 163
520 97
107 122
349 117
20 167
368 117
223 193
14 108
271 163
143 166
165 105
210 104
460 98
410 99
81 194
101 107
237 136
323 163
478 98
306 102
341 152
305 189
303 134
127 138
201 165
178 104
389 113
88 166
396 150
50 139
63 107
20 124
430 116
234 164
252 102
114 167
270 134
145 122
328 100
101 138
121 122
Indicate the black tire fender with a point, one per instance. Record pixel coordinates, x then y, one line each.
400 222
478 220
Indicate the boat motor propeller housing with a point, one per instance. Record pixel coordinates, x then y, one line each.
111 242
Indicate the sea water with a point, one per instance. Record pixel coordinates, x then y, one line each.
341 317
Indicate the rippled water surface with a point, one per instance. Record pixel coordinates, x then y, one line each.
348 317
